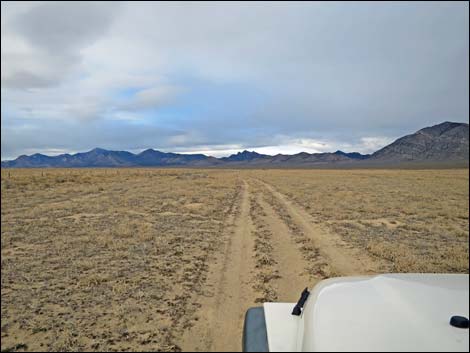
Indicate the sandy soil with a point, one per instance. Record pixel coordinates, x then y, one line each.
169 260
290 252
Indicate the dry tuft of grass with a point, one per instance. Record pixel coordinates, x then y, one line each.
118 259
415 219
106 259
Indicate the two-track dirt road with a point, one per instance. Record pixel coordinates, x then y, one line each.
171 259
273 250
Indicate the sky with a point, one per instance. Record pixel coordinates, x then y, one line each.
217 78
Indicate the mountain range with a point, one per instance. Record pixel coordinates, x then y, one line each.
444 143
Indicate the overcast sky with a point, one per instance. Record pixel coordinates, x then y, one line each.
221 77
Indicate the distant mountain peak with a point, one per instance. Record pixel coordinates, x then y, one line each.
448 141
148 151
246 152
352 155
244 156
445 142
98 150
442 128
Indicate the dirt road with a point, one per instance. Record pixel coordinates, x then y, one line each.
171 259
273 250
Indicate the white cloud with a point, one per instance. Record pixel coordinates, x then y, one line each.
41 41
151 98
211 152
279 77
372 144
287 145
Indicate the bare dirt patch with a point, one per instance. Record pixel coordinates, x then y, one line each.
170 259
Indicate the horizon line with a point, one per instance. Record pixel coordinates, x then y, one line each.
182 153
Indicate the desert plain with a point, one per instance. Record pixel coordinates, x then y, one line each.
171 259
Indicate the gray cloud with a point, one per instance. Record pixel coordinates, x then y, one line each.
26 79
150 98
352 75
59 27
44 41
71 136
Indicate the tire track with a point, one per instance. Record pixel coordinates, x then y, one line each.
292 276
272 250
235 295
266 266
339 260
220 322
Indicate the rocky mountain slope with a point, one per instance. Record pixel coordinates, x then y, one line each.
443 143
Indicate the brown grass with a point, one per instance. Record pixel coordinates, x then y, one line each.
116 259
104 260
417 219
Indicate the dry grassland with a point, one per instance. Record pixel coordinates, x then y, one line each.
415 219
170 259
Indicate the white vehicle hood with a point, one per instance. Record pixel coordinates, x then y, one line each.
396 312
